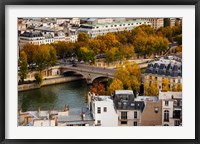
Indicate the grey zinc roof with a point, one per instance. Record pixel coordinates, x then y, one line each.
173 69
32 34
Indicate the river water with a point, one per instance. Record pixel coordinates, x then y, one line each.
54 96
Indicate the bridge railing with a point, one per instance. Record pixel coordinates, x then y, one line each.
89 71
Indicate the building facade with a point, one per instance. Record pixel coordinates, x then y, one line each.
93 30
171 108
128 110
169 68
156 22
103 111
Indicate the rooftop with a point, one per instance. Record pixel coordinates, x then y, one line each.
75 115
113 23
166 66
103 98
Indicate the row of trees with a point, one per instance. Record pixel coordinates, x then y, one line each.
142 40
43 56
152 89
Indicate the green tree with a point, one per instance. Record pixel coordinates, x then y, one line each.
166 22
126 52
178 38
86 54
23 66
38 78
53 57
44 57
83 37
111 55
63 48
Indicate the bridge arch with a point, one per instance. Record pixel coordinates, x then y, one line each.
99 77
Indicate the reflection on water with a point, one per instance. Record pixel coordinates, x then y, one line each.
54 96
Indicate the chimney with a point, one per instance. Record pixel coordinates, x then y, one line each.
66 108
83 115
38 110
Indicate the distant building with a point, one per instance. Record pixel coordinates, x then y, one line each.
102 108
171 108
128 110
172 22
31 37
156 22
93 30
168 67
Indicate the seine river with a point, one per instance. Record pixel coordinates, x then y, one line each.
54 96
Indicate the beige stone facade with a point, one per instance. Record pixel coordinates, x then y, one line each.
152 114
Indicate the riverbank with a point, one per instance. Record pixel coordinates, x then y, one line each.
57 80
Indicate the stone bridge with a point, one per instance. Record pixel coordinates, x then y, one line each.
90 73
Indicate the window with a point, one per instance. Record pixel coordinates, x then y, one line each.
166 125
98 121
105 109
166 103
135 114
123 115
176 122
123 122
166 115
99 110
135 123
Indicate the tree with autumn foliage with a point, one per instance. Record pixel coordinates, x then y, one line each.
130 76
83 37
151 89
44 57
165 84
115 85
98 89
177 87
86 54
23 66
111 55
126 51
30 50
63 48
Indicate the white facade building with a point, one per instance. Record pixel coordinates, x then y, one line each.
103 110
93 30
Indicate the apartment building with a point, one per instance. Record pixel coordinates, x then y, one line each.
103 111
156 22
165 68
171 108
93 30
128 110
